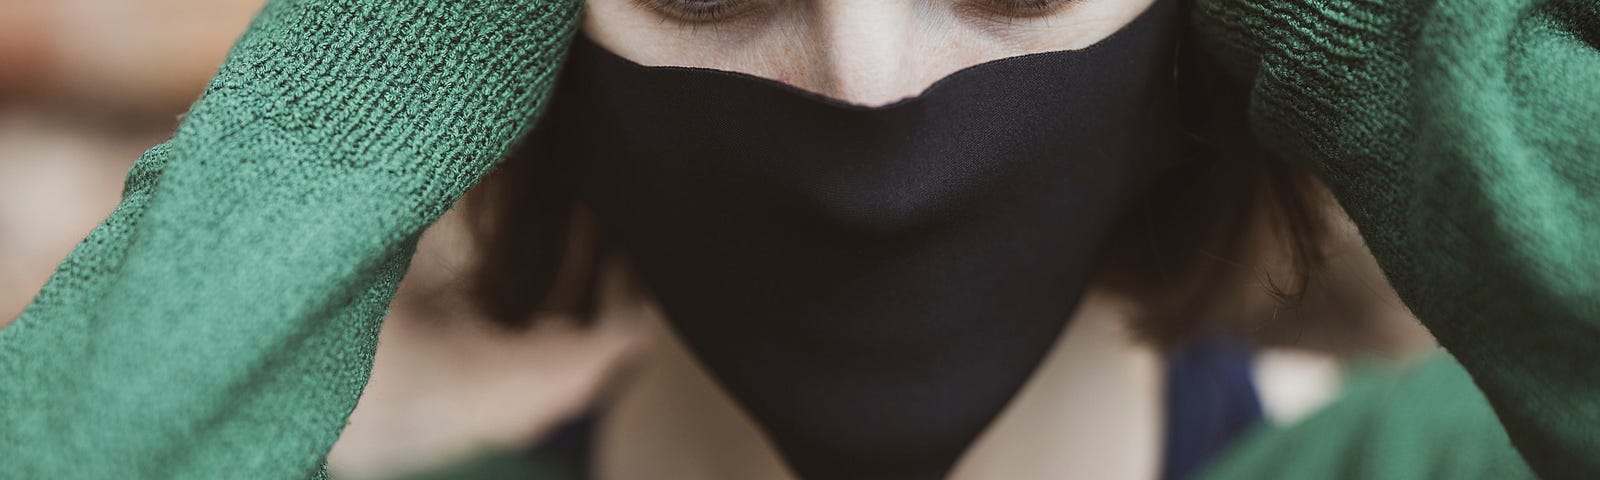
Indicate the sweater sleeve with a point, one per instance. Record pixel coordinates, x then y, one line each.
1427 422
221 323
1463 138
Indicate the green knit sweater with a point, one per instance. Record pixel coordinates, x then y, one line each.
221 323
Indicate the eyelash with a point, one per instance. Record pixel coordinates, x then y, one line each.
701 11
1019 8
709 11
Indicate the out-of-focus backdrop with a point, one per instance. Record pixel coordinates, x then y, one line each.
87 85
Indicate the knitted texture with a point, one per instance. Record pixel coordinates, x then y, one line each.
221 323
1463 138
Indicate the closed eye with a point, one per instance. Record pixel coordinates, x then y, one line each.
703 11
1016 8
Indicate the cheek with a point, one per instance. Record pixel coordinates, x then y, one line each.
786 57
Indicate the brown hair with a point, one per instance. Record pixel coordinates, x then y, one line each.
1212 239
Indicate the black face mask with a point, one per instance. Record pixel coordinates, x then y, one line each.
872 284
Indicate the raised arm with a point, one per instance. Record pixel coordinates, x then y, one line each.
221 323
1463 137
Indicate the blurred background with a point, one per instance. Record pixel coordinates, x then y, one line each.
87 85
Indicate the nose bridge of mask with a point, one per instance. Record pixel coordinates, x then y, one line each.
872 284
880 169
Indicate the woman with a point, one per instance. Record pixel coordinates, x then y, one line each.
848 248
226 313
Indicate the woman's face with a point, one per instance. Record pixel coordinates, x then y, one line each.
867 52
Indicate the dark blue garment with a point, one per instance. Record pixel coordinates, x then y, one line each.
1211 400
570 447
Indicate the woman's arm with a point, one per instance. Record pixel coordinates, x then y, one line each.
1463 137
221 323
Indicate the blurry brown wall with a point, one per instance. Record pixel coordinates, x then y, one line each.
151 56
